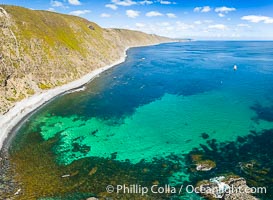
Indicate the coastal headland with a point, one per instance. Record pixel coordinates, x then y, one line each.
44 54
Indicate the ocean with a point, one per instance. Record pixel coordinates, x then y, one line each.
150 120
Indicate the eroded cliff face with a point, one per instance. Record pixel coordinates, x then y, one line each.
40 50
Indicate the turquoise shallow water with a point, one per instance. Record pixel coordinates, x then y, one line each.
160 101
168 125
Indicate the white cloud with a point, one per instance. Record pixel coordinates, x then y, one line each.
243 25
140 25
224 9
204 9
51 9
180 26
147 2
79 12
124 2
208 21
163 24
169 28
132 13
218 26
198 22
157 28
74 2
112 6
171 15
221 15
105 15
153 14
165 2
56 4
257 19
197 9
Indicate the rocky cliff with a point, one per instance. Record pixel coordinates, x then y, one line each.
40 50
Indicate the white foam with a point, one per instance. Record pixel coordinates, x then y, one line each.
77 90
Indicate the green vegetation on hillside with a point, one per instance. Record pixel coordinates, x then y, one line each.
41 50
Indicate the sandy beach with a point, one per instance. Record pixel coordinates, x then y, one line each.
28 105
9 120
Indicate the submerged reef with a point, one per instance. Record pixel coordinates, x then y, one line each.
249 157
85 178
246 161
34 166
263 112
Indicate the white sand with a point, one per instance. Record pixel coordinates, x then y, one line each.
26 106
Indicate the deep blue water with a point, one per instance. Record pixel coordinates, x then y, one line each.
178 69
159 103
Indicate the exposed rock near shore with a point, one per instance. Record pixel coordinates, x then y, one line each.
229 188
8 186
201 164
41 50
205 165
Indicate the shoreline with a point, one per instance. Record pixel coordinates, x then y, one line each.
22 109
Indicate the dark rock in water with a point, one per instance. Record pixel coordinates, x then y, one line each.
205 148
249 156
8 186
241 139
205 136
187 141
94 132
255 170
226 188
78 138
91 27
114 155
80 148
212 144
263 112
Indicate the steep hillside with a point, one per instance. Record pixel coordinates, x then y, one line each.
40 50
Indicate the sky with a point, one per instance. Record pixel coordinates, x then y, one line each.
195 19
